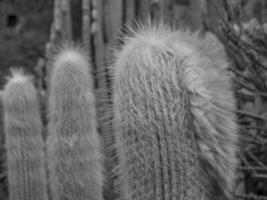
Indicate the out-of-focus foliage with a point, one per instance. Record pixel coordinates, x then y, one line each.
243 31
24 29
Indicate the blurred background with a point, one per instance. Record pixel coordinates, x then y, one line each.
31 29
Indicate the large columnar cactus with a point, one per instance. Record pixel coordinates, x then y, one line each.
174 113
73 145
24 143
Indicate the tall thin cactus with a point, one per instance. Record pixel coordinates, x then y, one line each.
175 125
2 148
1 119
73 146
24 143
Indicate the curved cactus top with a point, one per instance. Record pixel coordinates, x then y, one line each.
70 53
20 86
69 56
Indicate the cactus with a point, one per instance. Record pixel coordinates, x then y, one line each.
73 145
24 143
3 186
1 119
175 126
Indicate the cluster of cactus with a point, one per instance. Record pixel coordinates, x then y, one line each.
71 151
174 124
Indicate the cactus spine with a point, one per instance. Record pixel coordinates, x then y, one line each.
74 158
24 143
174 113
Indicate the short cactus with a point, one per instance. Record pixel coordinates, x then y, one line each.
24 143
175 126
73 145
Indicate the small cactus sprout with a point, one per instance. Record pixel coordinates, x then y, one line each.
73 145
175 126
24 142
